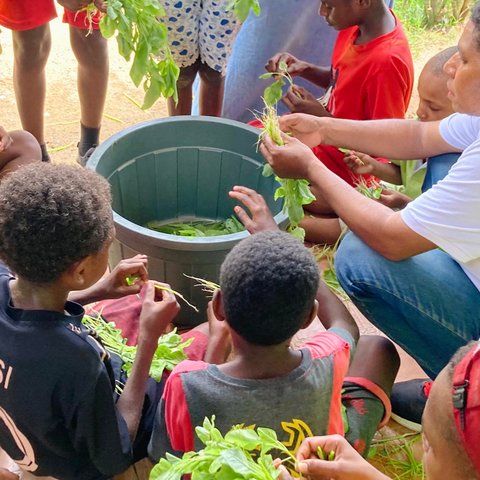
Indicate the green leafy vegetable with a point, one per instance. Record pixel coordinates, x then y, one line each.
295 193
243 453
199 228
273 93
139 32
169 352
329 276
242 8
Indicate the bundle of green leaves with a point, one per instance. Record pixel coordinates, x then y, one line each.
295 193
139 32
243 453
169 353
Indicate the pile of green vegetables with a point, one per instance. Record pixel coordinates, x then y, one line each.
198 228
169 352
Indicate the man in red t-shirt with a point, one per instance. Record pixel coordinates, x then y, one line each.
371 76
28 20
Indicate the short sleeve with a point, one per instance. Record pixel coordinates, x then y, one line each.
334 341
447 214
388 91
460 130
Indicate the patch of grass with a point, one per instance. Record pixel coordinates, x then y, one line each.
398 457
432 14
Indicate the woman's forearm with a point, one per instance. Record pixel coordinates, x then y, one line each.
395 139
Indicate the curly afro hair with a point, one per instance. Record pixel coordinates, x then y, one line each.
268 282
50 217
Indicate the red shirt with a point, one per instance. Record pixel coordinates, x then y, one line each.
21 15
369 81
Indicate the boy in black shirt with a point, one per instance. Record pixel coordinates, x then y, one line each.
57 412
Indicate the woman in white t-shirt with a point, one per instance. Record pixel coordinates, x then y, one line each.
416 273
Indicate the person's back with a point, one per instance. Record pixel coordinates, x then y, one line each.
269 285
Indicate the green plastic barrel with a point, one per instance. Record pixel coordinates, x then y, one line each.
180 167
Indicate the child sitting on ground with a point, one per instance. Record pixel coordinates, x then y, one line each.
57 407
269 291
16 149
433 105
450 431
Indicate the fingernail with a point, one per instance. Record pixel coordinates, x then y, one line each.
302 467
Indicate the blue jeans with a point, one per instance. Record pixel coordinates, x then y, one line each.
425 303
437 168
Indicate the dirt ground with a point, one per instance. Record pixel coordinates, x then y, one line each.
62 112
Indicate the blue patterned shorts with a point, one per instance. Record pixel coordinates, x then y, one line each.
200 28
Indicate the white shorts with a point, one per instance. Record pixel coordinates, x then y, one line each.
200 28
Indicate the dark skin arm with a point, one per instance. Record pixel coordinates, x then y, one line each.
333 313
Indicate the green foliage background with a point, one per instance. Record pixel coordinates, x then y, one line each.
432 14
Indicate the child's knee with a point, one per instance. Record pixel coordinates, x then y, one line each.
91 50
32 48
381 347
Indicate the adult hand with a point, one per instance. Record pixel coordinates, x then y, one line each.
291 160
159 308
5 140
295 66
360 163
347 465
73 5
261 217
115 285
393 199
304 127
300 100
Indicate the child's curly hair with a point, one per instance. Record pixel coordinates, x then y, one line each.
268 283
50 217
